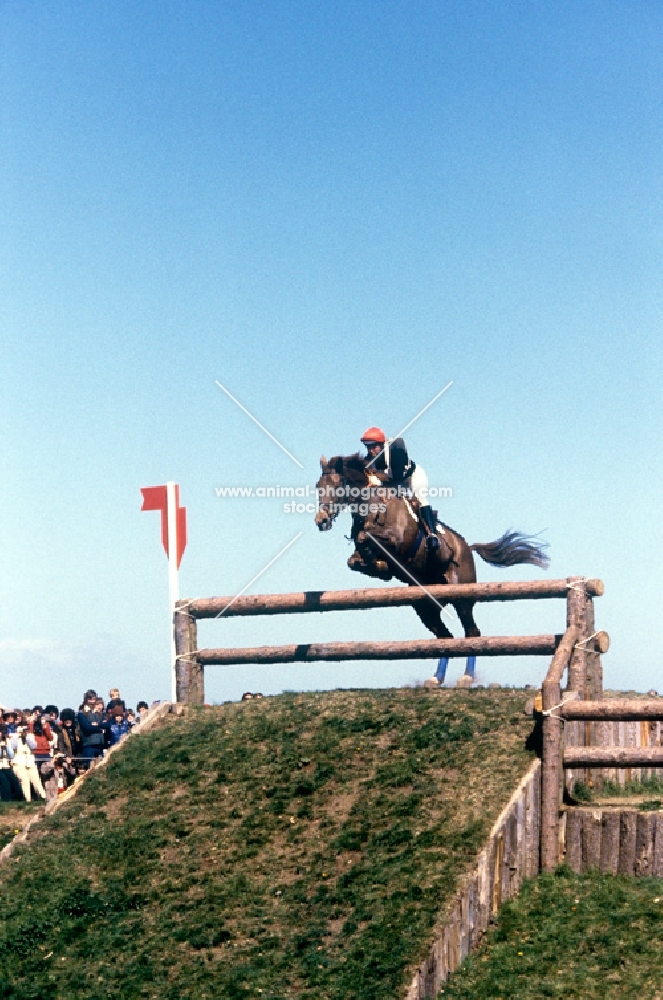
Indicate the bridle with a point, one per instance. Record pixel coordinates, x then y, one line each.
329 507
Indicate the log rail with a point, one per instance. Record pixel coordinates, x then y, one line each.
612 757
613 710
377 597
307 652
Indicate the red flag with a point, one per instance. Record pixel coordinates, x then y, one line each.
156 498
181 532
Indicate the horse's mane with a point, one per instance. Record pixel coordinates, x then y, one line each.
351 467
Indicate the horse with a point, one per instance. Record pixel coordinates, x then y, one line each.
390 541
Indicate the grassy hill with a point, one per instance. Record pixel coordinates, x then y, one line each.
294 846
578 937
13 816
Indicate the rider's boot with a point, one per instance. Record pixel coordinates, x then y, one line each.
430 523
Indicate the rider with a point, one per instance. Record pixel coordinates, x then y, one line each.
392 457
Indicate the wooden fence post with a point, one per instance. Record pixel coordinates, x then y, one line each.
550 776
189 672
577 734
551 769
576 615
593 668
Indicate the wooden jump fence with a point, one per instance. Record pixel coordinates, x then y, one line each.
191 661
583 736
619 736
588 738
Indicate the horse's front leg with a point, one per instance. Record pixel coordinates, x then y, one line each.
363 561
363 558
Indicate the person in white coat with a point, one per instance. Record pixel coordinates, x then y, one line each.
9 786
24 764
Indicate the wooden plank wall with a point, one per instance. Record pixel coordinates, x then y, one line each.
510 855
612 840
613 734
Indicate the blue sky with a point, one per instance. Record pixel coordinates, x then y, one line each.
333 209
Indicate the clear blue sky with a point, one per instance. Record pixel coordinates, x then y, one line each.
333 209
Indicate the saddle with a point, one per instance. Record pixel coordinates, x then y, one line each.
427 528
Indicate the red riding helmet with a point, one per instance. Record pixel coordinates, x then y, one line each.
374 435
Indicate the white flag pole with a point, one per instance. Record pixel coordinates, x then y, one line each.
173 586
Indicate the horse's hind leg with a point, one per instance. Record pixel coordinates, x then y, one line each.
464 610
429 613
441 671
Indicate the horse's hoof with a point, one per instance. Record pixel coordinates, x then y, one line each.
381 570
465 681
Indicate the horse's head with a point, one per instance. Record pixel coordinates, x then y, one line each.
327 485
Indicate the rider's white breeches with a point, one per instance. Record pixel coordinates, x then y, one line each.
418 483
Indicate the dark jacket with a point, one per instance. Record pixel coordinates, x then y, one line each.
70 742
93 728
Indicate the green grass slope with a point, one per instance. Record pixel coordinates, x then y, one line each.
581 937
14 816
296 846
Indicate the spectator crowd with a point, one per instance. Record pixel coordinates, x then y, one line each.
43 750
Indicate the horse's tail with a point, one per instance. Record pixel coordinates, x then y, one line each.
513 548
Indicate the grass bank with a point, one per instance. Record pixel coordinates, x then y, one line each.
13 816
295 846
586 937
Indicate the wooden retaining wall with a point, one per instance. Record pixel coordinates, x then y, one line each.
612 840
510 855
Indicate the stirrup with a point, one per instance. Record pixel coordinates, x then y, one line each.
432 542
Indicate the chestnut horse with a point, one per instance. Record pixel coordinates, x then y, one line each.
390 541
